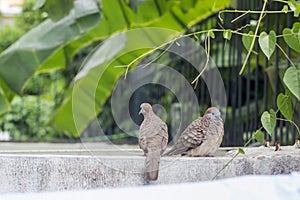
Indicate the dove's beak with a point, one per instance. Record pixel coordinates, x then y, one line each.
141 111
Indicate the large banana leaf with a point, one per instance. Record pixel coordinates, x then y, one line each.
4 104
56 9
33 51
118 16
47 46
90 91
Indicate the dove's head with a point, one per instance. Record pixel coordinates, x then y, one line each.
213 113
145 108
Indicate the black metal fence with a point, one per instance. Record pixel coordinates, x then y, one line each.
248 95
255 91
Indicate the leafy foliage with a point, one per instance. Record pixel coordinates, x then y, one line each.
167 14
35 118
33 49
29 115
54 43
292 38
241 151
268 120
284 104
227 34
11 34
247 40
23 23
292 80
259 136
294 6
267 43
55 9
29 18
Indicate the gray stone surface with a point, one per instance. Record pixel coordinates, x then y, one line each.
52 167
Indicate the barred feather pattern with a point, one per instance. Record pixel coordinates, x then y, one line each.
153 139
202 137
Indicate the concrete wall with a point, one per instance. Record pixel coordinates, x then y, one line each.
50 172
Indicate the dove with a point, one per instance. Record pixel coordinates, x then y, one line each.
202 137
153 139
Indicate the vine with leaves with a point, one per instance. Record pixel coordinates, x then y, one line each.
267 43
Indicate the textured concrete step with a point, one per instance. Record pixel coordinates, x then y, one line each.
47 168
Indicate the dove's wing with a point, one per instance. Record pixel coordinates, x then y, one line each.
153 140
164 142
193 136
143 141
153 134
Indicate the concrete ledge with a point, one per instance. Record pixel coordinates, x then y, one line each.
23 172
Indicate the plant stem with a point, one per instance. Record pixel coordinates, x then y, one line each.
254 12
286 120
190 34
281 1
279 47
207 47
225 166
145 54
235 155
255 35
160 55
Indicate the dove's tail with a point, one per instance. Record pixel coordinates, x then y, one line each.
152 165
176 149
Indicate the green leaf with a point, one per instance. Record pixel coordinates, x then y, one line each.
267 43
4 104
241 151
285 9
56 9
227 34
135 4
284 103
292 80
268 120
294 6
299 35
39 4
30 52
211 34
247 40
259 136
291 36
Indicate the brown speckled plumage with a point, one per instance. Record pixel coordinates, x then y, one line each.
153 139
202 137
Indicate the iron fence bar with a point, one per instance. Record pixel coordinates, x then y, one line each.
288 52
266 79
234 92
276 55
240 84
256 122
